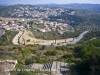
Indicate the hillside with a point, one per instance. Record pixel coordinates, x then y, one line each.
77 18
7 37
77 56
82 58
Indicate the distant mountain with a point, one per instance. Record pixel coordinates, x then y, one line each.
91 7
4 4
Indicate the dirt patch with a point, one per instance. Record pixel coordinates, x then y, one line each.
28 38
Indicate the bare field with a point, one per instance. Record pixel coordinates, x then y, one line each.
28 38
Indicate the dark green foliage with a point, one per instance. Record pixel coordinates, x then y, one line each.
51 53
92 34
93 43
76 19
30 23
90 58
83 68
24 72
63 48
43 47
67 56
14 47
29 61
9 23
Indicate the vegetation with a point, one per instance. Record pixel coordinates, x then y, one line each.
26 53
89 53
83 58
66 56
91 35
54 35
29 61
51 53
8 37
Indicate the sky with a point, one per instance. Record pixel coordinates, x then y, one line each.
48 1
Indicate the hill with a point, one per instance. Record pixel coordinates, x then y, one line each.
80 16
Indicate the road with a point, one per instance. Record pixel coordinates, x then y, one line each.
71 42
75 40
2 32
16 38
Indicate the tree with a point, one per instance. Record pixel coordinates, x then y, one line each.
90 59
9 23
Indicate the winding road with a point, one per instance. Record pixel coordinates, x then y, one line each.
75 40
16 38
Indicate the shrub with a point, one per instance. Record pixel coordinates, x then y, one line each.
29 61
51 53
26 53
61 48
43 47
66 56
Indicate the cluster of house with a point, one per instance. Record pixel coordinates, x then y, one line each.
54 26
10 25
38 23
36 11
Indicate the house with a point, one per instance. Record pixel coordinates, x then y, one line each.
42 30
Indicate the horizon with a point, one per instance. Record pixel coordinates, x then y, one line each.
48 4
32 2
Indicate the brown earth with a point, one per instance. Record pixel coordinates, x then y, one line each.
28 38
